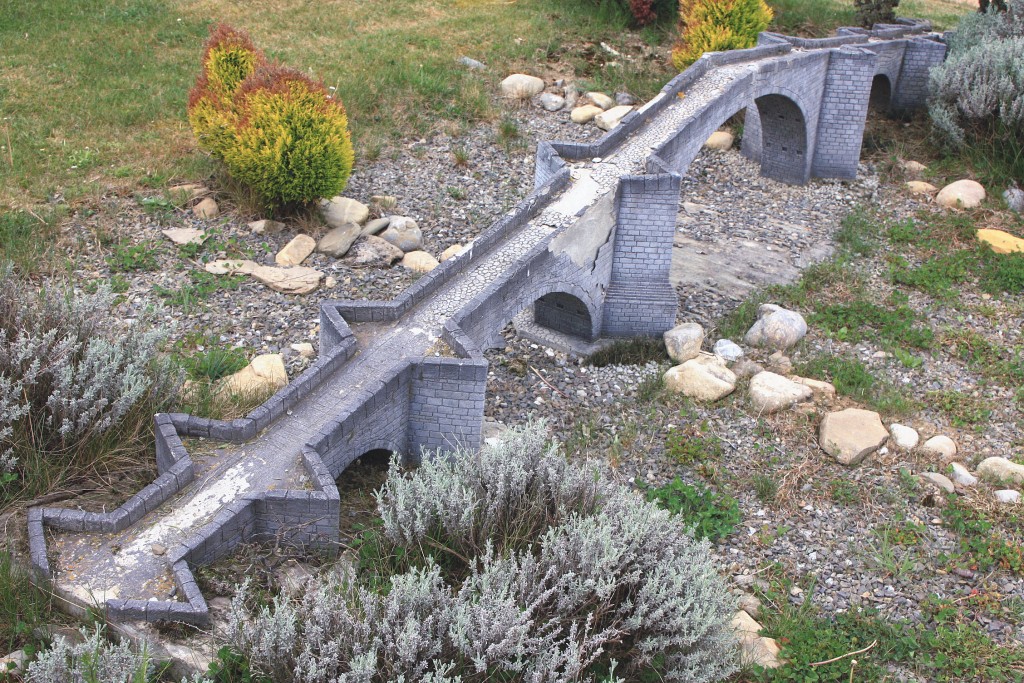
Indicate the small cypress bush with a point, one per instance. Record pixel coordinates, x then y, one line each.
277 131
871 12
718 25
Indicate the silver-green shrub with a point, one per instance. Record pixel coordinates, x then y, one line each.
96 660
979 90
69 370
518 566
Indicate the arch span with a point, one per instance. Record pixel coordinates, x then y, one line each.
784 139
565 313
880 98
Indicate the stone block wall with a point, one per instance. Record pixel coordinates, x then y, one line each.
446 405
919 57
844 110
640 301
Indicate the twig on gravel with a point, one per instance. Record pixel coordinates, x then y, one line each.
550 385
848 654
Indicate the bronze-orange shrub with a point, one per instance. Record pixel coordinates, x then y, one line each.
718 25
277 131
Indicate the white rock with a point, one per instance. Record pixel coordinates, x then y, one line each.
939 446
521 86
1014 198
961 476
265 373
609 119
770 393
296 251
419 262
920 187
293 280
182 236
551 102
338 241
776 328
913 168
903 436
207 208
851 435
683 342
963 194
939 480
14 663
704 378
404 233
754 649
821 390
375 226
750 604
338 211
266 227
719 140
1008 496
373 251
472 64
304 349
231 267
728 350
1001 469
585 114
599 99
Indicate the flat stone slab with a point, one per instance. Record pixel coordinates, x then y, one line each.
851 435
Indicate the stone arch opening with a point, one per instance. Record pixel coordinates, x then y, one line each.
881 93
565 313
784 147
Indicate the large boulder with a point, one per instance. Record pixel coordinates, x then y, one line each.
755 648
296 251
704 378
337 242
551 102
683 342
770 393
776 328
963 194
376 226
521 86
372 251
941 447
1001 469
404 233
851 435
599 99
904 437
207 208
338 211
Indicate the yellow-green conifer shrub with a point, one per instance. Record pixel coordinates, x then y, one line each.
291 141
718 25
229 58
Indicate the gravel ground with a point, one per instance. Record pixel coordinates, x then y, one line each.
824 523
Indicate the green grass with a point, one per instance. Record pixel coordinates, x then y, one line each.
214 363
193 294
95 91
22 606
125 258
712 515
24 238
963 410
636 351
980 545
687 446
852 378
944 647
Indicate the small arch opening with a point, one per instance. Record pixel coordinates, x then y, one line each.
564 313
881 93
357 484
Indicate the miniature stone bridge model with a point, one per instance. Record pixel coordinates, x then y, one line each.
590 249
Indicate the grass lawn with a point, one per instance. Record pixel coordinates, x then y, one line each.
93 91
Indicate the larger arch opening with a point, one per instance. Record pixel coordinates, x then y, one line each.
564 313
783 139
356 485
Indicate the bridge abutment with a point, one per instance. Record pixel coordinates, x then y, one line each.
911 90
844 109
640 300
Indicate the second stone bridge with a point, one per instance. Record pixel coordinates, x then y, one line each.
590 250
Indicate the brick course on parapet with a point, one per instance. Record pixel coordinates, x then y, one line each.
590 249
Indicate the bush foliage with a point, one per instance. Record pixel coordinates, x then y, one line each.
718 25
509 564
277 131
977 95
871 12
68 371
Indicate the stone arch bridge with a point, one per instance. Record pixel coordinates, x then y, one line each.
590 248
